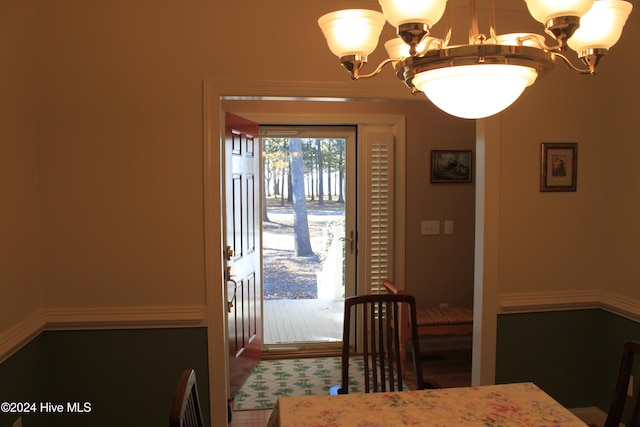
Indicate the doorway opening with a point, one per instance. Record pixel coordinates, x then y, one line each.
308 211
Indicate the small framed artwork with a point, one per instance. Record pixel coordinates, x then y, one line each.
559 166
450 166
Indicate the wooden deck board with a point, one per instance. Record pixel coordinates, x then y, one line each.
303 320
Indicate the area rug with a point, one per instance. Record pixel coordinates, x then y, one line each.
272 379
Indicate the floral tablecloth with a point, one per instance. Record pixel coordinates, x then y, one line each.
522 404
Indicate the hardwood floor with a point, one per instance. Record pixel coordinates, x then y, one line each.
251 418
447 368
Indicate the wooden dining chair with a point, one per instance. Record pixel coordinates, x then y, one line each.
368 335
625 373
185 409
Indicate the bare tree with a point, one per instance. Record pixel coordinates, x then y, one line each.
320 173
329 164
341 167
266 172
300 220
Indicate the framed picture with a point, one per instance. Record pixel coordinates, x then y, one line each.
559 166
451 166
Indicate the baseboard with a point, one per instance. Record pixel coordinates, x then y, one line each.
98 318
591 415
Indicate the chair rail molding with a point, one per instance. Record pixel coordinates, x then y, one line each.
532 302
89 318
20 334
125 318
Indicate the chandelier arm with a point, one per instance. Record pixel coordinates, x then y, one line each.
377 70
441 43
541 44
569 64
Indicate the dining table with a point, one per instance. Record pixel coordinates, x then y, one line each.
517 404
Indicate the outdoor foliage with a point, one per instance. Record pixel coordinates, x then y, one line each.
304 201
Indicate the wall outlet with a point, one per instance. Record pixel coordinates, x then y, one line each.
17 423
444 305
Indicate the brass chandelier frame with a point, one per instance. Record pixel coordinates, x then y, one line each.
480 50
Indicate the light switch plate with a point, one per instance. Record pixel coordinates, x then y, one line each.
448 226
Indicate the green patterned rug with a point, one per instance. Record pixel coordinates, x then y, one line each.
272 379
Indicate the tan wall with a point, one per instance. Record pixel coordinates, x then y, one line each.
618 124
549 241
585 240
19 219
121 143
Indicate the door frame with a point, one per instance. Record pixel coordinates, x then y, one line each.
485 313
393 121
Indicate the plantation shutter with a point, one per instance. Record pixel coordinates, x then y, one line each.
376 216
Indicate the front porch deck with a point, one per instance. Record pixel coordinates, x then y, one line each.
302 320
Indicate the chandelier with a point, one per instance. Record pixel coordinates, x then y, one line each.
487 75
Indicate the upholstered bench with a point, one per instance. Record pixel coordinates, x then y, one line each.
445 321
432 321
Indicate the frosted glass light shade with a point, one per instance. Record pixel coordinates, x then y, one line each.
543 10
602 26
475 91
400 12
352 31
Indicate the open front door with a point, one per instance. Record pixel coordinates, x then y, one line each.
242 247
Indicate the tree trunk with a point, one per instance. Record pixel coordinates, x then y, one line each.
302 238
282 189
320 174
329 164
341 180
265 212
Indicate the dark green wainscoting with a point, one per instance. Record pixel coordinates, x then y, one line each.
128 377
572 355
